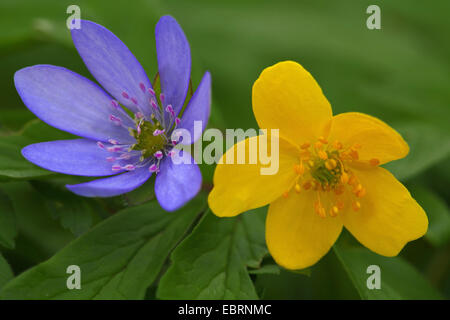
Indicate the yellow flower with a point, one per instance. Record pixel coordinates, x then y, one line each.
328 177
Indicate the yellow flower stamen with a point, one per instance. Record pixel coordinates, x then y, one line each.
374 162
344 178
334 211
299 168
323 140
306 145
327 167
322 155
356 205
337 145
307 185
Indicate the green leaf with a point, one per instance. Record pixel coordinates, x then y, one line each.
75 213
399 279
6 273
266 269
40 235
38 131
12 164
8 229
212 262
438 233
119 258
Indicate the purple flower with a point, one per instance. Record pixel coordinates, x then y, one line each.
127 149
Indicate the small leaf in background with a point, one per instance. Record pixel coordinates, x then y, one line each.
438 213
75 213
266 269
212 262
6 273
399 279
119 258
38 131
40 235
8 229
12 164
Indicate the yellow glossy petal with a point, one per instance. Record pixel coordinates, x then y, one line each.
376 138
286 97
241 187
389 217
296 236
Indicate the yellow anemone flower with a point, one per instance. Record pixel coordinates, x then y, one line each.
328 177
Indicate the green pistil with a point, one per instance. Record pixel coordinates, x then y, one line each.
146 141
323 175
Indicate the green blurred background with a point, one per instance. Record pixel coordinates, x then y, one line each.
400 74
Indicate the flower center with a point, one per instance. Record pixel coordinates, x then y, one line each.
324 169
151 126
148 139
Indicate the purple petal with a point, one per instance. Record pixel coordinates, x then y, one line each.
112 186
198 109
70 102
112 64
79 157
176 184
174 61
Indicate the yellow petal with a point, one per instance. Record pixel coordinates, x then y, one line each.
389 217
286 97
241 187
377 140
296 236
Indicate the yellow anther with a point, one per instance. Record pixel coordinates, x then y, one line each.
356 205
322 212
299 169
318 145
374 162
352 180
323 140
344 178
361 193
356 146
337 145
354 154
285 194
339 190
319 209
322 155
307 185
298 188
334 211
357 189
305 154
306 145
340 204
311 163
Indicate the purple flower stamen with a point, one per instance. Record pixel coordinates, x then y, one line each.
116 120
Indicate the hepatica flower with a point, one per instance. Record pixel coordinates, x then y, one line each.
126 127
329 175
